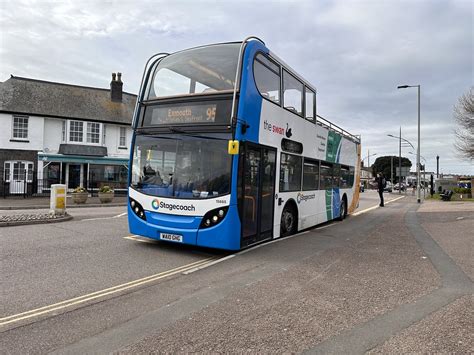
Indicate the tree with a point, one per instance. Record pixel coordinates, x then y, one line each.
383 164
464 117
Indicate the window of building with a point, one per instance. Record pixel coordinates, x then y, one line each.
76 131
267 78
123 137
93 132
290 172
20 127
325 181
310 174
310 98
292 93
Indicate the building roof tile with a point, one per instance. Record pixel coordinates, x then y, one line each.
43 98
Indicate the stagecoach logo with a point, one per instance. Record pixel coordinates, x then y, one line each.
157 204
302 197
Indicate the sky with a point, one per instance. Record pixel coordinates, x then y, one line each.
355 53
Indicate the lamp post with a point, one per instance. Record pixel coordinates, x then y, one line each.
400 157
424 171
418 197
368 158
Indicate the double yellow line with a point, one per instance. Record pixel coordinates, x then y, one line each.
100 294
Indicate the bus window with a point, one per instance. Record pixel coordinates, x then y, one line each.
292 93
267 78
336 175
345 177
290 172
326 181
195 71
309 104
310 174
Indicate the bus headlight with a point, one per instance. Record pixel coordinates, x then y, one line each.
213 217
137 209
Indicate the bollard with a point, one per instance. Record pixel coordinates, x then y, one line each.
58 199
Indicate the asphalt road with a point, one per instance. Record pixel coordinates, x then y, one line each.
85 286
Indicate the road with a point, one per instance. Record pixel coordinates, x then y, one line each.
86 286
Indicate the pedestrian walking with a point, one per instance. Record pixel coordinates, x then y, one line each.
381 183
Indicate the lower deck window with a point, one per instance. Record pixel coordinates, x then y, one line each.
290 172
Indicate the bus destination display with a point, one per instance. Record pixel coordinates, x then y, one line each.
198 113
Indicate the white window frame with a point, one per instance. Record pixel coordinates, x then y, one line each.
84 133
124 129
99 133
29 166
69 131
27 127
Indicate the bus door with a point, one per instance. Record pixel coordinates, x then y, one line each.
258 192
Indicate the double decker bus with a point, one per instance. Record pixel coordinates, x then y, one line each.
228 150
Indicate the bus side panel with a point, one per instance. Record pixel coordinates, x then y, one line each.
225 235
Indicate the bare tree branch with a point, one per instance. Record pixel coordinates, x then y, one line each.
464 118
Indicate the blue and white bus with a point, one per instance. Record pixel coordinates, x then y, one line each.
228 150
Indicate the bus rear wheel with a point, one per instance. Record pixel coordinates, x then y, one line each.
342 210
288 222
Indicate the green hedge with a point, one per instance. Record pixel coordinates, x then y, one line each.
462 190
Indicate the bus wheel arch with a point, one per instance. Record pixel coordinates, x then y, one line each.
343 208
289 219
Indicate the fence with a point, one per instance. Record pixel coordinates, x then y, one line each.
28 184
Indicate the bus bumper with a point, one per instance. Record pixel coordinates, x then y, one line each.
225 235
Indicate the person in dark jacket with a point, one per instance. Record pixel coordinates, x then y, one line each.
380 186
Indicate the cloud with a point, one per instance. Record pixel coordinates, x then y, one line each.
354 52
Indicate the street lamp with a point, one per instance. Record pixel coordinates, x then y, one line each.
400 157
424 171
418 197
368 156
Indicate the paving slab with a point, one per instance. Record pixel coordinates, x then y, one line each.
451 225
447 331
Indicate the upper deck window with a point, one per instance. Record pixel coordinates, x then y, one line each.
267 78
309 104
194 71
292 93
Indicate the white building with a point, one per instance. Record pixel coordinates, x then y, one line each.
60 133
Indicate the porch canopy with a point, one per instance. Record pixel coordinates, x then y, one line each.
45 157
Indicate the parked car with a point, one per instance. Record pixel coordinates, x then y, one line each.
388 187
396 186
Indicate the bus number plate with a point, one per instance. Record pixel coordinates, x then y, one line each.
171 237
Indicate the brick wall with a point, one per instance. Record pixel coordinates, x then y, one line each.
13 154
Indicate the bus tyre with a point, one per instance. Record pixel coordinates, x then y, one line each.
342 210
288 221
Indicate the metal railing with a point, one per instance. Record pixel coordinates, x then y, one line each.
26 185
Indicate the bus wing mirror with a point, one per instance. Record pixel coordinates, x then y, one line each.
233 147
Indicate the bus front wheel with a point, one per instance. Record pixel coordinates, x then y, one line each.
288 221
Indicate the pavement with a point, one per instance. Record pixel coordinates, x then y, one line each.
19 203
396 279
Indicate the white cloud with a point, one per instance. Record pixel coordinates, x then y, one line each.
355 52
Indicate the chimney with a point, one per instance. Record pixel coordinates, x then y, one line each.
116 87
